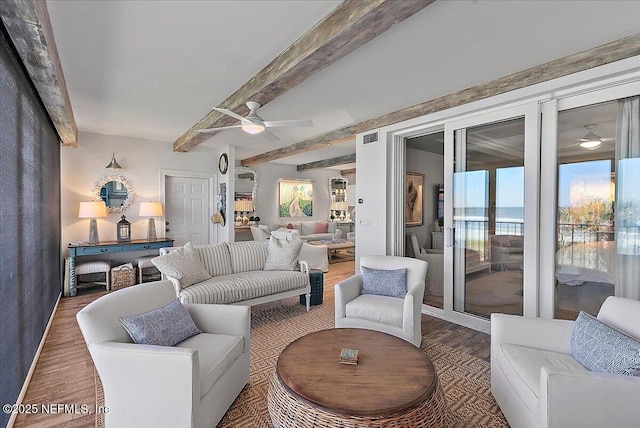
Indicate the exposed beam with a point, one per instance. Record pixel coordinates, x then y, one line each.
295 149
326 163
28 25
615 51
349 26
350 171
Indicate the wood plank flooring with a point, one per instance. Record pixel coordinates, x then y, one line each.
64 373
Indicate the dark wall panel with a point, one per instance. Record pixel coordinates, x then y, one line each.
29 222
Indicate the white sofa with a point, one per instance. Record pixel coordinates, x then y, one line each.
537 383
306 229
191 384
238 276
391 315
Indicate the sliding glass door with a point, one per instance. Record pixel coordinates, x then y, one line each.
592 164
491 215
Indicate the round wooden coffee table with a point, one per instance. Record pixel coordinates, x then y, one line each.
394 383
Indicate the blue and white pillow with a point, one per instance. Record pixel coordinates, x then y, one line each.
392 283
184 265
164 326
601 348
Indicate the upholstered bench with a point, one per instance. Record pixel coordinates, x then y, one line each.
96 266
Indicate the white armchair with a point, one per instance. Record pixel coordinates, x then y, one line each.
537 383
191 384
392 315
434 283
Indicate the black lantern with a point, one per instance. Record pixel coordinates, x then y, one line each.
124 230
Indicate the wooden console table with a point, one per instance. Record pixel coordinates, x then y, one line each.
84 249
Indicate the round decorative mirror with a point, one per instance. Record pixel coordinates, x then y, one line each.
115 191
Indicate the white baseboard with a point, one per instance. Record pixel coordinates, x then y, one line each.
25 385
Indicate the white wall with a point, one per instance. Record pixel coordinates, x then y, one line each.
141 161
269 175
371 214
432 166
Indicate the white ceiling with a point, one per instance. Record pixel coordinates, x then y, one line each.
151 69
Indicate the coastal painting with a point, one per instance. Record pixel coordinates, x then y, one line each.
296 198
413 199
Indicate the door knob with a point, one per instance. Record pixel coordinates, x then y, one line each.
167 223
167 230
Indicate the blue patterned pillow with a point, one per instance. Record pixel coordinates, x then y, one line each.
163 326
601 348
392 283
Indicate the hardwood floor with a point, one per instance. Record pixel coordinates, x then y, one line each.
64 373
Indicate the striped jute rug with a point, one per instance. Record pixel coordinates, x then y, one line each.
464 378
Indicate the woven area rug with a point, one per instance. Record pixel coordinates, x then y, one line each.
465 379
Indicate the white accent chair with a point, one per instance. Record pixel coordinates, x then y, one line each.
434 283
392 315
191 384
537 383
316 256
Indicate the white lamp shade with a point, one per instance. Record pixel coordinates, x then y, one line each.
93 209
243 205
150 209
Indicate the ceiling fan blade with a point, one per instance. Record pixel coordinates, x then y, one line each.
229 113
212 130
288 123
269 136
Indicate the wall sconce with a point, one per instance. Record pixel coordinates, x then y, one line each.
92 210
113 165
151 210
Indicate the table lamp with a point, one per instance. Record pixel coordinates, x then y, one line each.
151 210
93 210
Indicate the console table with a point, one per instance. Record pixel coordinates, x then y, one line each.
85 249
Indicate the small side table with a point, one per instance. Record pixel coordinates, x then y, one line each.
316 278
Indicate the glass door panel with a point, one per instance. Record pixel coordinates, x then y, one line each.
586 219
485 226
488 218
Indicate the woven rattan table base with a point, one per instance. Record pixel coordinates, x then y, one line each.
287 411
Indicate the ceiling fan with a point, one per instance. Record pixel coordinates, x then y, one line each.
254 124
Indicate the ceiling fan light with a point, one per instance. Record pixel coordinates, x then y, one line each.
591 141
591 144
252 128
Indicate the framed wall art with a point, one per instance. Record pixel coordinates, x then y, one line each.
295 198
413 202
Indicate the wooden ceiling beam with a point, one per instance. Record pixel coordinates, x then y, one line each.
351 25
327 163
29 27
297 148
350 171
615 51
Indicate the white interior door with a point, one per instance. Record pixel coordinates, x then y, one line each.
187 202
491 215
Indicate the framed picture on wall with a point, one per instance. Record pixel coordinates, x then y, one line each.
413 202
295 198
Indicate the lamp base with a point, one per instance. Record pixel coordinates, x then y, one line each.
93 232
151 230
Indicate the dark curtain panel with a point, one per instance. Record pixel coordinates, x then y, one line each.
30 268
